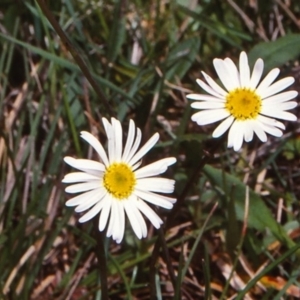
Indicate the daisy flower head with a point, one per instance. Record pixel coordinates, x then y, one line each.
246 104
116 185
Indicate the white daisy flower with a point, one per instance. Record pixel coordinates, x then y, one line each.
116 185
246 105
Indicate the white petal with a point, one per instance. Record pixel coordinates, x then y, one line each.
92 212
155 168
114 225
129 141
121 223
110 140
210 116
135 146
136 165
214 85
279 114
118 138
78 177
82 187
160 185
149 213
135 218
82 198
221 69
256 73
272 75
236 135
105 212
244 70
286 105
222 127
279 98
207 105
232 72
113 220
248 133
209 89
277 87
97 197
259 131
86 165
96 145
272 130
270 122
204 97
106 125
150 143
163 201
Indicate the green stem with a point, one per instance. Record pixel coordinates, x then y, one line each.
207 156
67 43
102 259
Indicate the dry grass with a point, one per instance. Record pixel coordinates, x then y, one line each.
221 238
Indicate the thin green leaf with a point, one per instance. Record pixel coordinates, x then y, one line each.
276 53
266 270
259 216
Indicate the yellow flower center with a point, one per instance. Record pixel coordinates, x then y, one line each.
243 104
119 180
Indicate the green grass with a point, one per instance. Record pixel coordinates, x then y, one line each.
45 101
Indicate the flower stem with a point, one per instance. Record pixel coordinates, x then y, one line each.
102 259
207 156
